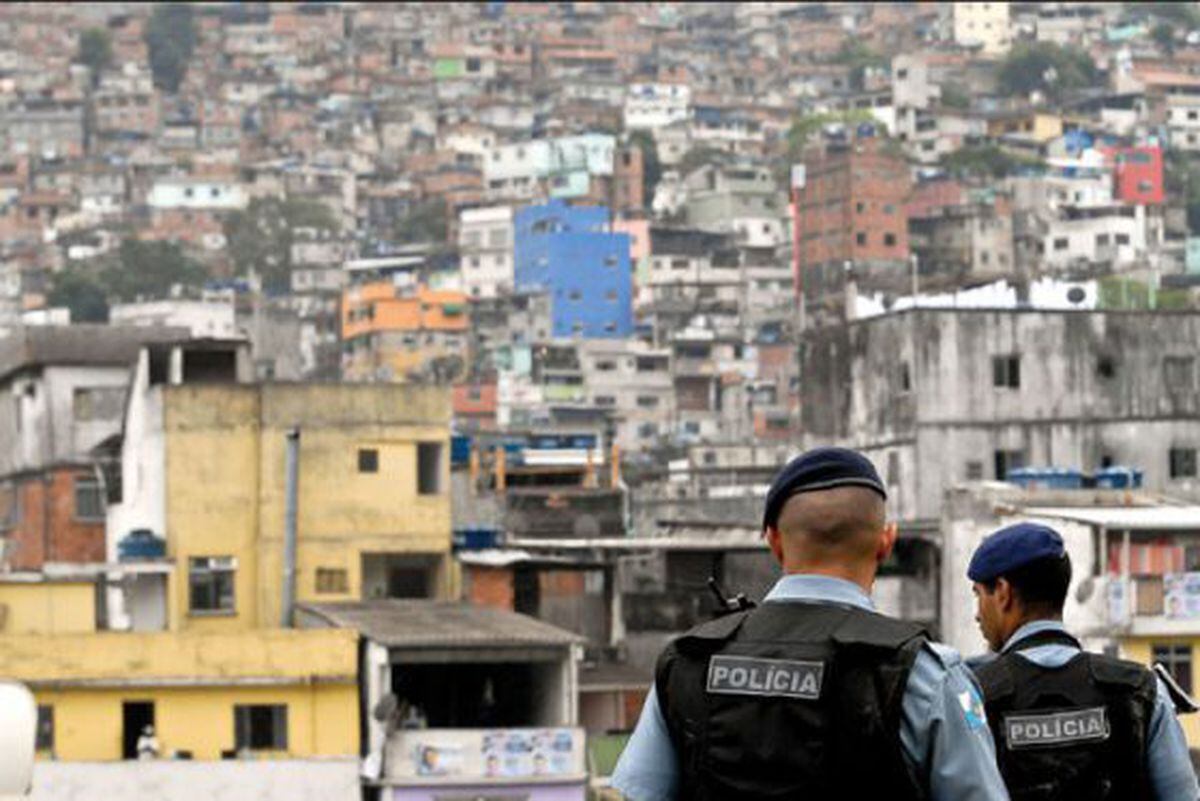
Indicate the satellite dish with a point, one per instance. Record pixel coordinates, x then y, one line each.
1076 295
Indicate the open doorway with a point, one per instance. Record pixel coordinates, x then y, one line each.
135 716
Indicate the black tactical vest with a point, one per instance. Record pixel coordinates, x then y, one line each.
1073 733
791 700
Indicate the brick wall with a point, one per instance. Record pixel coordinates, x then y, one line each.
490 586
47 529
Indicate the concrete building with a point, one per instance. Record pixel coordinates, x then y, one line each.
632 381
497 694
964 244
741 201
985 26
485 243
940 396
66 392
570 253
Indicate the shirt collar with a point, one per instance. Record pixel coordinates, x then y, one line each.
809 587
1031 628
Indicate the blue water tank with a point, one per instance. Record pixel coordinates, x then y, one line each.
1119 477
475 539
141 543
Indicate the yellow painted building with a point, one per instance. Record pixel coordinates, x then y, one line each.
374 502
33 604
293 693
193 640
1140 649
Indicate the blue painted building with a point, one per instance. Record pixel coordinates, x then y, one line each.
570 253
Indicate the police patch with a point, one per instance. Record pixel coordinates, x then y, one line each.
741 675
1057 728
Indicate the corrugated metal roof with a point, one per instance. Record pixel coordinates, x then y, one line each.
406 623
1124 518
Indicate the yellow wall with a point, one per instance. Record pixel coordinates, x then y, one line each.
226 451
322 719
47 607
1139 650
194 680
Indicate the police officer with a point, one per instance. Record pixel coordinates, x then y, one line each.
813 695
1068 724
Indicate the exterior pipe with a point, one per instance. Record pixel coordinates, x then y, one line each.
289 527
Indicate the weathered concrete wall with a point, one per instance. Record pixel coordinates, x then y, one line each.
285 780
915 390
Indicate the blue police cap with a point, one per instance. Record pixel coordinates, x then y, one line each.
820 469
1011 547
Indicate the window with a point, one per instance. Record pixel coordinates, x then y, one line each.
1179 373
647 402
611 296
332 580
89 498
260 727
1122 239
606 400
1101 240
1006 371
1004 461
210 584
860 238
905 378
611 261
1177 659
974 471
575 295
368 460
889 240
889 208
606 366
98 403
1182 462
429 468
45 727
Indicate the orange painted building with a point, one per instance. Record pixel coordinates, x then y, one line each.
391 334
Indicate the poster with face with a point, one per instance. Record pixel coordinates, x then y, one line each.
438 760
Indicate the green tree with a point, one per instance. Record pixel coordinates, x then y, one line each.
651 166
859 58
1163 34
955 95
170 38
80 292
1045 67
260 238
803 129
95 51
149 270
984 161
424 222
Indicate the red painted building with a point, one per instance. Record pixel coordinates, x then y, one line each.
1137 174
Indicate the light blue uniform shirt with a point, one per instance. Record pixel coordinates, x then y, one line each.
942 731
1171 774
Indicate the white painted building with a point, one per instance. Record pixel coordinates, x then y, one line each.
983 25
485 242
656 105
1183 122
203 318
189 193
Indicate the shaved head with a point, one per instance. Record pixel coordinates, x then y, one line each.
842 528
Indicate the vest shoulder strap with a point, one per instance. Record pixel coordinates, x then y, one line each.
1119 672
876 630
996 678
